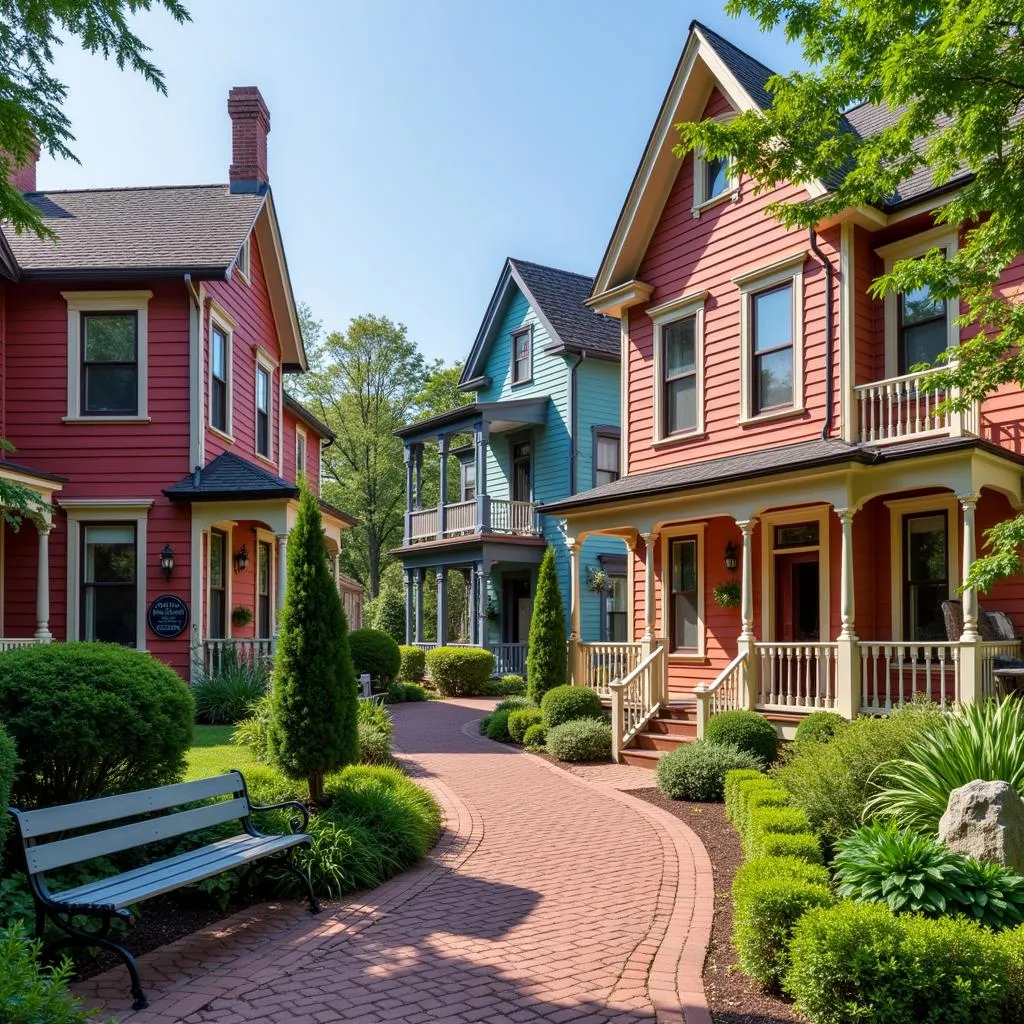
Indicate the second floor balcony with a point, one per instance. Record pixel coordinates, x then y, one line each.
479 515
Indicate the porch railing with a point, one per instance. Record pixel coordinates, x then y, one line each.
425 645
797 676
600 664
509 659
459 518
897 408
894 673
990 650
13 643
515 517
423 524
636 699
221 654
723 693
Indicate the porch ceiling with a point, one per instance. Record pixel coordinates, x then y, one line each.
499 416
467 551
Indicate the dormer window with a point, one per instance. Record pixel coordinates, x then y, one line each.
242 261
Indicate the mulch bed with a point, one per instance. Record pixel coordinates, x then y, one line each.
732 997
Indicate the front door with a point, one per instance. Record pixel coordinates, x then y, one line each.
264 560
796 598
522 476
519 608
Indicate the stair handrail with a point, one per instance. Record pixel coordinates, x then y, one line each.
636 699
722 693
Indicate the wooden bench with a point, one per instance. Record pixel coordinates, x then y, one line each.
56 837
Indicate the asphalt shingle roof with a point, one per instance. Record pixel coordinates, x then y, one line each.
228 478
750 73
188 228
560 295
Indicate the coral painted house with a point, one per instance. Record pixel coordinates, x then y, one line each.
799 513
144 354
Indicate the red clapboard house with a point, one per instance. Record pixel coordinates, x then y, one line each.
800 511
143 357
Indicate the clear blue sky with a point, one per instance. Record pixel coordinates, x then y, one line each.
414 145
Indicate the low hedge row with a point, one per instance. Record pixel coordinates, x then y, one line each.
767 823
460 671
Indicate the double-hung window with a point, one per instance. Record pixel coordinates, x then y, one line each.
217 573
606 455
262 411
684 596
771 339
522 359
468 481
109 583
926 575
300 453
678 367
219 358
110 364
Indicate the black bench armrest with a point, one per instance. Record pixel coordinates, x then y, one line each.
297 804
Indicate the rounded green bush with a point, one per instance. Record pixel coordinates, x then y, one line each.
521 720
567 703
8 763
413 663
402 693
819 727
511 685
746 730
92 719
497 726
583 739
374 746
536 736
696 771
376 653
460 671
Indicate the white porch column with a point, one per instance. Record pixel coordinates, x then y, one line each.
848 682
43 634
574 611
971 669
647 639
282 577
745 642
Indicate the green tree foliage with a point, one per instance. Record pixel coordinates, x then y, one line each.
546 656
314 706
954 70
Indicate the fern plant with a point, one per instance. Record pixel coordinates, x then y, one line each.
978 741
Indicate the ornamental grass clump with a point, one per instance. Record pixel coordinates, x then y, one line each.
977 741
696 771
225 697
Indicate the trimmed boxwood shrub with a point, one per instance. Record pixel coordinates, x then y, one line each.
585 739
536 736
521 720
732 784
696 771
819 727
460 671
91 719
802 845
376 653
770 894
764 821
858 962
497 726
412 665
567 703
402 693
743 790
746 730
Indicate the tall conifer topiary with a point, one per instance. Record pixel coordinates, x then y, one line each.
313 724
546 657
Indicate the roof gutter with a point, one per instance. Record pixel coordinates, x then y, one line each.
812 235
573 417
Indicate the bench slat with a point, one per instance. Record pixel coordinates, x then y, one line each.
164 876
48 820
62 852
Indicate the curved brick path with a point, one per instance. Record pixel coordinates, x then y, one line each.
549 898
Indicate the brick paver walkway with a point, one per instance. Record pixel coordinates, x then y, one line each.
551 897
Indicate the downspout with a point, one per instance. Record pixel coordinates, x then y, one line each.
572 422
829 282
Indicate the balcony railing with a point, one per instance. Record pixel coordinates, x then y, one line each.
483 515
897 408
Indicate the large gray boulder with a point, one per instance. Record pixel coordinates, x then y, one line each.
985 820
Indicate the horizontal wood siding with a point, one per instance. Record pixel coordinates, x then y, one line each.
291 427
248 305
688 255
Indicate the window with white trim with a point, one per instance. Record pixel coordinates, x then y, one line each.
300 452
220 374
713 180
522 356
607 449
263 379
679 367
468 481
218 584
771 339
242 260
108 373
109 583
919 326
684 593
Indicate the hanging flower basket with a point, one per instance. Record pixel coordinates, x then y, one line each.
727 594
241 616
597 580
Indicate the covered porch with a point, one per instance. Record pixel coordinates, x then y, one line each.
835 588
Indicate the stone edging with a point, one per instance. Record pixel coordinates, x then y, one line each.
675 982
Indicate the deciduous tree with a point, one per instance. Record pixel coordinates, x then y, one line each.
953 71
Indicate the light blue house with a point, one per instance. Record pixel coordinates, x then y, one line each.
545 425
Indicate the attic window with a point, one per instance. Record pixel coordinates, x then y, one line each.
242 261
522 362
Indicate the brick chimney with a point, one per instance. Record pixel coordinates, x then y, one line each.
23 178
250 126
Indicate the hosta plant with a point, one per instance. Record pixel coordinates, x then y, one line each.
992 895
978 741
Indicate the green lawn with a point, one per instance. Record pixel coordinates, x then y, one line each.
213 752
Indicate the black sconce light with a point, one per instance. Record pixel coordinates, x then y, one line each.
241 559
167 561
730 556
